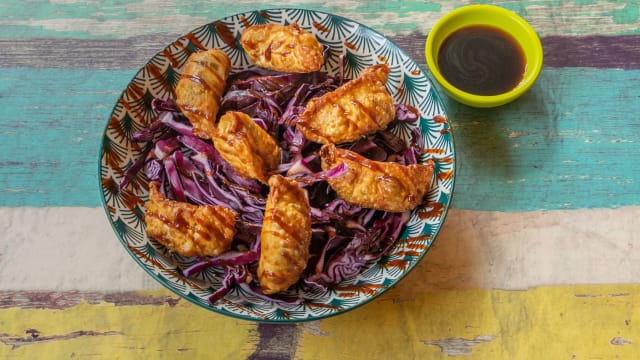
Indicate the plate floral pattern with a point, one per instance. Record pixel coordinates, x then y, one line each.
360 47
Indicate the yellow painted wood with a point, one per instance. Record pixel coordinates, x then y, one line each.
103 330
564 322
561 322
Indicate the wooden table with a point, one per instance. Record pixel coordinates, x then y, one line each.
539 257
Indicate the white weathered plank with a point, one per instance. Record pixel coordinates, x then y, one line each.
69 248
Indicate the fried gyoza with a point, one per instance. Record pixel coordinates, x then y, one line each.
200 89
362 106
188 229
250 150
377 185
285 236
286 48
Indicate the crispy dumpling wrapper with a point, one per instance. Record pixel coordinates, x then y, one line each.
286 48
187 229
386 186
285 235
248 148
200 88
360 107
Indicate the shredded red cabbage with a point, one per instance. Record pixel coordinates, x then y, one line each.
345 237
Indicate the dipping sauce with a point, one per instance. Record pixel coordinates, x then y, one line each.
481 60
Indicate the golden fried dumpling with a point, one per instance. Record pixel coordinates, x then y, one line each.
360 107
250 150
187 229
286 48
285 235
386 186
200 89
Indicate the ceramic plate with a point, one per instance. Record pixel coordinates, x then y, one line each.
361 47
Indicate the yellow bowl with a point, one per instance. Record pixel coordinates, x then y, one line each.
492 16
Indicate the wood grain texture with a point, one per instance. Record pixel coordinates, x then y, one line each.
614 51
571 134
277 342
56 300
566 144
122 19
572 322
577 322
96 327
598 51
53 53
54 129
73 250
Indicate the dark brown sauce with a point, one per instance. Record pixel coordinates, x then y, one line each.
180 221
267 52
210 229
481 60
196 111
198 80
350 155
367 111
277 218
210 65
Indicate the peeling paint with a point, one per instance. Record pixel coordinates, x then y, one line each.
33 337
516 134
314 328
59 300
601 295
275 342
620 341
459 346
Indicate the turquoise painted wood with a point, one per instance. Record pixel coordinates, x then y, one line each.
121 19
567 148
50 127
545 151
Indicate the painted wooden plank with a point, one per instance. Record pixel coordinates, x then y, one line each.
61 300
622 51
562 322
121 19
121 54
567 322
50 127
68 248
277 342
475 249
565 145
100 328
